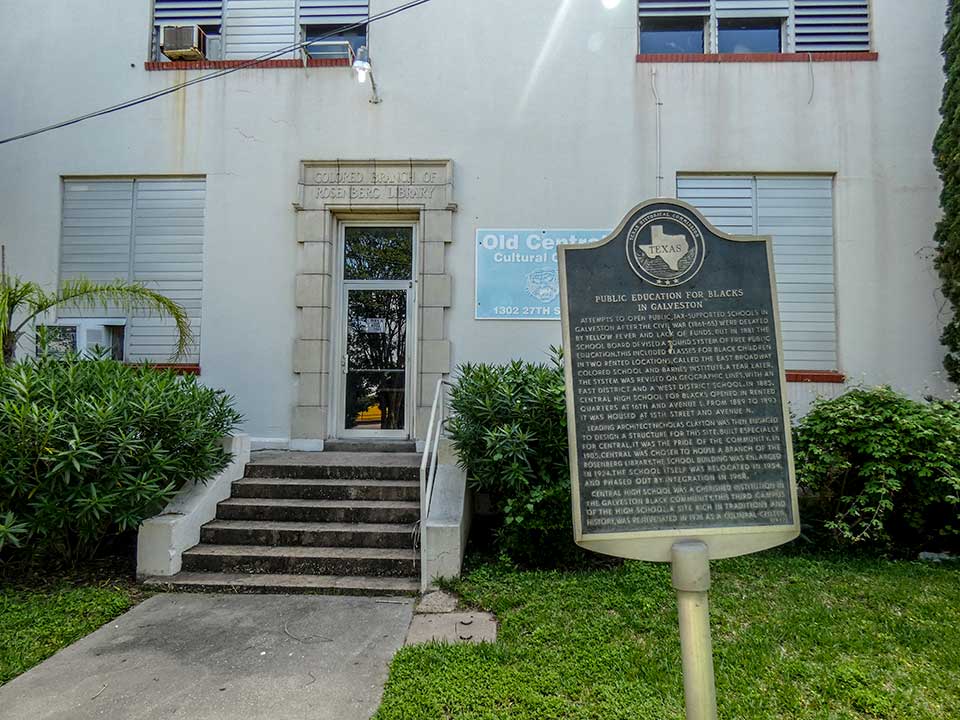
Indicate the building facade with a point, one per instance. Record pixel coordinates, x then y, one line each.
339 256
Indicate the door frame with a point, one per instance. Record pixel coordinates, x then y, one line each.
339 327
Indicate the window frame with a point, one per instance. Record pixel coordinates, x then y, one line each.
704 31
781 21
81 326
790 20
298 24
93 317
154 54
353 50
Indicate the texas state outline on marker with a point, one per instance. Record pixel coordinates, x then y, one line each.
669 248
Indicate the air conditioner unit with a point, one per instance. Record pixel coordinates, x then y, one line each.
183 42
100 338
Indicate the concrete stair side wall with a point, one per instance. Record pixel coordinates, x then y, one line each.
448 522
162 540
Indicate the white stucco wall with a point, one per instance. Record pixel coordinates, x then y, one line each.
549 121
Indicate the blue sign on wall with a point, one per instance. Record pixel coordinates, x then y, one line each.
517 275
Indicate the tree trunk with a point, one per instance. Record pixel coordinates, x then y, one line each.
9 346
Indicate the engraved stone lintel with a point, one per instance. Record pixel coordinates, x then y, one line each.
429 196
377 172
413 183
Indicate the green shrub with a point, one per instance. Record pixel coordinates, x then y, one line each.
883 471
946 158
90 448
510 429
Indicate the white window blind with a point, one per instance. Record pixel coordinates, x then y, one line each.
798 213
832 25
168 228
95 243
257 27
674 8
148 231
188 12
333 12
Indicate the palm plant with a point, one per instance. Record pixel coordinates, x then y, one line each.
28 301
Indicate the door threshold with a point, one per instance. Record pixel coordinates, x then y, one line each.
370 445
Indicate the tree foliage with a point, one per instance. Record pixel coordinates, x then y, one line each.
946 150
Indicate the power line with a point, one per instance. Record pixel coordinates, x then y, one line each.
214 75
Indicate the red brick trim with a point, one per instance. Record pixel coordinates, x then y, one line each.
179 368
759 57
816 376
224 64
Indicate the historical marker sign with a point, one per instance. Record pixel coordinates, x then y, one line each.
517 271
678 421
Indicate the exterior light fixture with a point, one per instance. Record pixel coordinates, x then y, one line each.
363 68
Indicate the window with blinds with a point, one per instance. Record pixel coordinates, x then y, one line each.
798 213
144 230
752 25
251 28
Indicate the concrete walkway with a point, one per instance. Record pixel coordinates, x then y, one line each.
216 657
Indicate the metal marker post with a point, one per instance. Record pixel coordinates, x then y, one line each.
691 580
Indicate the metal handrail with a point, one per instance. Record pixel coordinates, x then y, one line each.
428 471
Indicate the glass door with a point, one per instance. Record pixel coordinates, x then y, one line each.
375 342
375 387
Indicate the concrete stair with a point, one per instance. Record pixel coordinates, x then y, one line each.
300 489
330 523
368 446
266 532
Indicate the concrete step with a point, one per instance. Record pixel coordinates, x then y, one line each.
285 584
340 511
368 446
341 489
334 465
349 561
256 532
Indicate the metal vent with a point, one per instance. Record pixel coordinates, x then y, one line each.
674 8
188 12
753 8
832 25
257 27
333 12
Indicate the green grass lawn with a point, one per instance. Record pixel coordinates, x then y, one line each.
794 637
35 622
